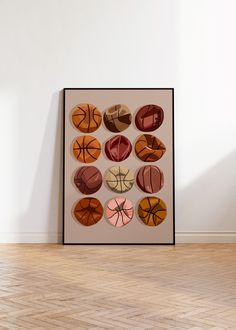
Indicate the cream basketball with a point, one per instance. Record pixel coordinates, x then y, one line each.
119 179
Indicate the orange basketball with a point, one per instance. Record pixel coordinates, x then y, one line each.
152 211
88 211
149 148
86 117
86 149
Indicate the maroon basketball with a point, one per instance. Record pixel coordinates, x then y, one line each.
150 179
149 118
118 148
88 179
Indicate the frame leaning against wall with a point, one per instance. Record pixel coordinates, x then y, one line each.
173 166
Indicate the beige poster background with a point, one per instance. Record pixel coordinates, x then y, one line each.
135 231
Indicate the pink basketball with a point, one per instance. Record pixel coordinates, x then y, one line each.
119 211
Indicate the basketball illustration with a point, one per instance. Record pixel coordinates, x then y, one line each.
149 118
119 211
88 211
86 149
86 117
119 179
88 179
118 148
152 211
150 179
117 118
149 148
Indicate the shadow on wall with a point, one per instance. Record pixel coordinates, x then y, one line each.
45 205
209 203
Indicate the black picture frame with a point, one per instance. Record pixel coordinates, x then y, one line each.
173 164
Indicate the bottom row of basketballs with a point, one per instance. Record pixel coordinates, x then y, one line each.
119 211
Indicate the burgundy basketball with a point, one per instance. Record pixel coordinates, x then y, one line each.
88 179
149 118
150 179
118 148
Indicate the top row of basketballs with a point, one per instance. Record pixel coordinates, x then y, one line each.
87 118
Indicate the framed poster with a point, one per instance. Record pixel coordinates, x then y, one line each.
118 166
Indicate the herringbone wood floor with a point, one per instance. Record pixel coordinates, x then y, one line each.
118 287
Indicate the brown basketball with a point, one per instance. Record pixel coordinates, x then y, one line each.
149 118
86 117
150 179
117 118
88 211
86 148
149 148
152 211
88 179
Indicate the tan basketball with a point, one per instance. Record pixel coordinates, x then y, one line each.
117 118
119 179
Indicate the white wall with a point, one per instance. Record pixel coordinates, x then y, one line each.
47 45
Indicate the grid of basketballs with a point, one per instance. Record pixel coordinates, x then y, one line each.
119 211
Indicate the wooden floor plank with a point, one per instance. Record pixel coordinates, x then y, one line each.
187 286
